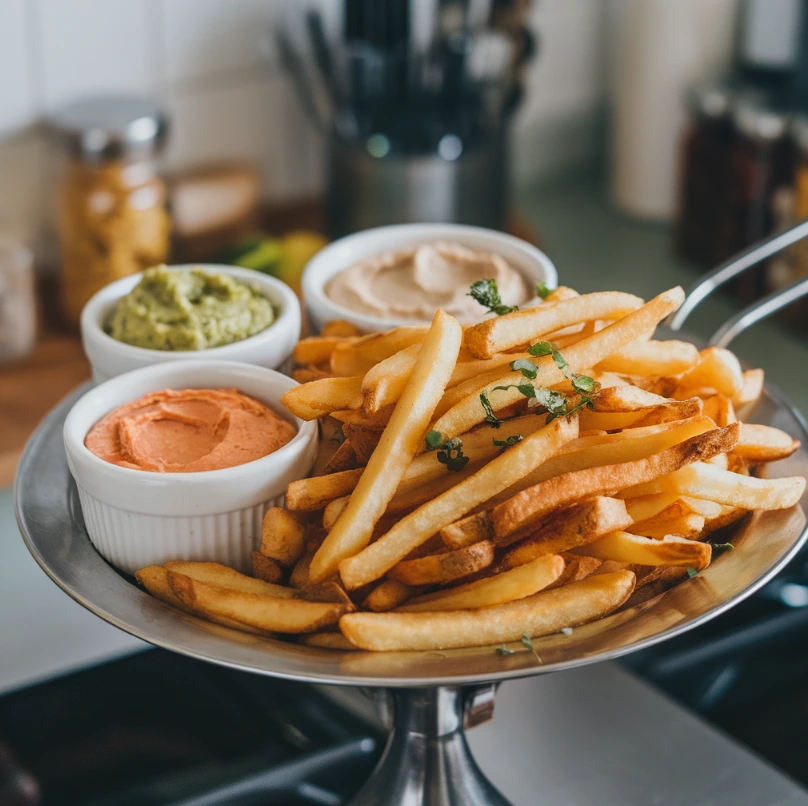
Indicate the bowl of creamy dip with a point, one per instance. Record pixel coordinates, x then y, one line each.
187 312
386 277
181 461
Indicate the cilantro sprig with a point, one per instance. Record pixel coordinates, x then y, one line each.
513 439
542 290
450 451
486 293
490 417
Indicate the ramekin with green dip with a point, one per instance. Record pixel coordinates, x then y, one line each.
181 312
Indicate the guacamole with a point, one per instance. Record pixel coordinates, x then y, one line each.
188 310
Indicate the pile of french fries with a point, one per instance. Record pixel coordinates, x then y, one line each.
449 509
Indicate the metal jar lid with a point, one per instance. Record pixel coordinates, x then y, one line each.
756 117
108 127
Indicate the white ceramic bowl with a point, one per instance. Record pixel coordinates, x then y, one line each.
345 252
270 348
137 518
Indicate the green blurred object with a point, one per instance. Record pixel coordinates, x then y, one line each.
284 258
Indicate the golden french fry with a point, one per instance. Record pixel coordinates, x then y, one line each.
515 583
543 613
333 510
562 292
339 328
582 523
266 569
576 568
748 395
721 460
417 527
384 383
505 332
155 580
720 410
314 493
648 506
630 407
326 640
377 421
397 447
463 416
652 358
307 374
254 609
516 517
388 595
762 443
300 577
362 439
689 524
438 569
656 583
717 369
357 356
726 517
725 487
223 577
670 550
282 536
316 349
343 458
316 398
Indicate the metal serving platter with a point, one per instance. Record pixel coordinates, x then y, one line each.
50 519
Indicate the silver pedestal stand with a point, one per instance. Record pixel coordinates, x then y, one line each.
437 695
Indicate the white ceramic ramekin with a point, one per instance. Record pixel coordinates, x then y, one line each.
345 252
270 348
137 518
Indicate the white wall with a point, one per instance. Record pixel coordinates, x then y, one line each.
205 61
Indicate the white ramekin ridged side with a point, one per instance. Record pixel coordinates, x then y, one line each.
137 518
534 265
109 357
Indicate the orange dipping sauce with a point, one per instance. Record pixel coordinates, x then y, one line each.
188 431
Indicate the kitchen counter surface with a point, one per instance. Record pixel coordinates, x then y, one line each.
643 751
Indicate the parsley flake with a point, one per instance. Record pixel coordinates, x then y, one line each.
503 650
450 451
723 546
490 417
692 572
542 290
486 293
511 440
526 367
433 439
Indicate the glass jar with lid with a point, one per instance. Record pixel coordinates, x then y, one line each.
705 162
112 214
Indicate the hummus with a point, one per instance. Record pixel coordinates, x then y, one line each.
412 283
188 310
187 431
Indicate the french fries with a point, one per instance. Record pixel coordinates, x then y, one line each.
397 447
458 514
541 614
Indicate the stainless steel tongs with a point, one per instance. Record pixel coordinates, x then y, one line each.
761 309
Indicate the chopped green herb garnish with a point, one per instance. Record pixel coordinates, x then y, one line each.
451 455
526 367
434 439
542 290
487 294
490 417
723 546
503 650
529 644
511 440
541 348
692 572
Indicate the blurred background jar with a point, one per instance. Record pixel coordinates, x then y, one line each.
111 209
17 299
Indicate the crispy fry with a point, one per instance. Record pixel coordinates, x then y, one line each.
582 523
748 395
720 410
254 609
388 595
326 640
344 458
316 398
266 569
516 583
562 292
652 358
464 415
282 536
357 356
224 577
730 489
762 443
648 506
438 569
384 383
670 550
307 374
300 577
672 521
376 421
420 525
398 445
576 568
339 328
515 517
541 614
333 510
504 332
314 493
717 369
317 349
363 440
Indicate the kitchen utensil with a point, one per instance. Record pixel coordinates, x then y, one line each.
437 694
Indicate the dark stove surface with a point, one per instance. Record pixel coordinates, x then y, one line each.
158 728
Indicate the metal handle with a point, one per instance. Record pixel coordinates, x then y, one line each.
732 268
